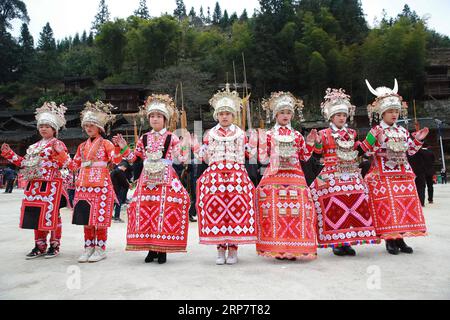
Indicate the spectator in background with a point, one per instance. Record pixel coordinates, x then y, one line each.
366 163
196 169
444 176
9 177
121 186
418 165
428 159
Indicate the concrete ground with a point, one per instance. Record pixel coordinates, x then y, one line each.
372 274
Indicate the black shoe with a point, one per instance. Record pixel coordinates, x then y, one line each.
151 256
51 252
391 247
162 257
192 218
339 251
278 258
430 201
403 246
350 251
35 253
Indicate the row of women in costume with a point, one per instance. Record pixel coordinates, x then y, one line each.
284 217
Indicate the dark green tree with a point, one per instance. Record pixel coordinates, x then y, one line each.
202 15
46 42
142 12
208 16
350 15
76 40
244 15
318 77
225 21
217 14
10 10
180 11
101 17
48 69
90 39
84 37
27 52
111 41
194 20
9 57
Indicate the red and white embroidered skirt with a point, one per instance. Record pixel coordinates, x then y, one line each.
158 216
93 206
395 206
343 216
40 207
225 205
286 217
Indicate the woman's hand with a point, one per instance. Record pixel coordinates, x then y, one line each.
313 137
58 148
422 134
119 140
6 148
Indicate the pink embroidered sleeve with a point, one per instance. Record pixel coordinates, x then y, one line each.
265 144
112 152
67 162
414 145
137 153
178 151
12 157
251 146
201 151
355 138
61 161
371 142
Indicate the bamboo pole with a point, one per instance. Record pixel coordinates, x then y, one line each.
183 111
416 123
247 97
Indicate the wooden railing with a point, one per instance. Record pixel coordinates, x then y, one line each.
437 77
437 91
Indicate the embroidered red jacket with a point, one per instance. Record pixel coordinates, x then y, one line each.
92 159
51 161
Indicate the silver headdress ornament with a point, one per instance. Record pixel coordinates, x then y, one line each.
386 99
279 101
98 114
226 100
337 101
161 103
52 115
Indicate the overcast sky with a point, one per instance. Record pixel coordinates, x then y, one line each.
68 17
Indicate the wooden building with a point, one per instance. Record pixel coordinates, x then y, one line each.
437 79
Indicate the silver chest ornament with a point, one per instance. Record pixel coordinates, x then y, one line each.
285 149
227 149
154 167
396 147
32 162
285 145
346 165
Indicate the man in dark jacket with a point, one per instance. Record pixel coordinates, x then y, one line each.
428 159
418 165
121 186
366 163
444 176
9 176
196 169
